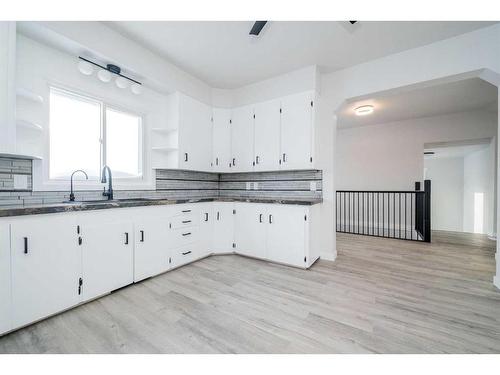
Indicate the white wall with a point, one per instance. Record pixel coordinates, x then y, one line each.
479 178
390 156
447 197
39 67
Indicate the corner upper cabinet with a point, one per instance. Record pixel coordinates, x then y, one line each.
186 142
297 116
242 136
267 136
222 140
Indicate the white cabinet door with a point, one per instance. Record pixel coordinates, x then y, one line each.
46 267
242 134
250 229
151 252
7 86
222 140
5 285
195 134
286 239
223 227
296 131
267 136
206 230
107 256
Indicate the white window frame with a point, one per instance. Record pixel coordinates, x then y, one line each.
41 173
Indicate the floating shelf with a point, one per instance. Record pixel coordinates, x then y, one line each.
29 95
29 125
163 148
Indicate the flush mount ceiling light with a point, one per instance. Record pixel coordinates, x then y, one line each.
105 74
364 110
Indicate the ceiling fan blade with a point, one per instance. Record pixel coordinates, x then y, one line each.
257 27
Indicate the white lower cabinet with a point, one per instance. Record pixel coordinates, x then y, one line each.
279 233
151 253
5 286
46 267
107 255
250 229
223 232
206 220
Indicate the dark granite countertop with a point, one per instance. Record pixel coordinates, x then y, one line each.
38 209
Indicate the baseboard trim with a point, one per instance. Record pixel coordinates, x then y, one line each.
496 281
328 256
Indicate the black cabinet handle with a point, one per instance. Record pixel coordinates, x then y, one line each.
186 157
234 162
77 229
126 238
206 216
142 236
218 215
186 234
186 211
80 241
270 219
186 221
284 158
260 218
216 161
187 252
257 159
26 245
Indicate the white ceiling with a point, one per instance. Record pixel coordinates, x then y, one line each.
222 54
466 95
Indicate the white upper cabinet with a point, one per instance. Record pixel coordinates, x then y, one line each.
222 140
195 134
7 87
267 136
297 131
242 135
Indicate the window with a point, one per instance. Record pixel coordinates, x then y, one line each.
87 134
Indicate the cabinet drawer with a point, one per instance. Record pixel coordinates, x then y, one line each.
184 221
183 255
184 236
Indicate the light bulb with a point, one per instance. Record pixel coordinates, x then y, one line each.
104 75
136 88
121 82
85 67
364 110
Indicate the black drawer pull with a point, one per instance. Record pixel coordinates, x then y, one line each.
126 238
186 157
270 219
80 241
218 215
186 221
142 236
260 218
206 216
187 252
26 245
186 211
186 234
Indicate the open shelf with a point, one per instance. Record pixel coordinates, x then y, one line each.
29 125
29 95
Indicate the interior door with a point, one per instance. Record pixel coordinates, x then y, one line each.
107 256
222 140
286 240
267 136
242 135
5 284
250 228
296 131
223 234
151 251
46 267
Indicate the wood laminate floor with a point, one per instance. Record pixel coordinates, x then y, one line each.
380 296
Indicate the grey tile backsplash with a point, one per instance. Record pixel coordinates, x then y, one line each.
174 184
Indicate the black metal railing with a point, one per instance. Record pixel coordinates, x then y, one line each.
404 215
